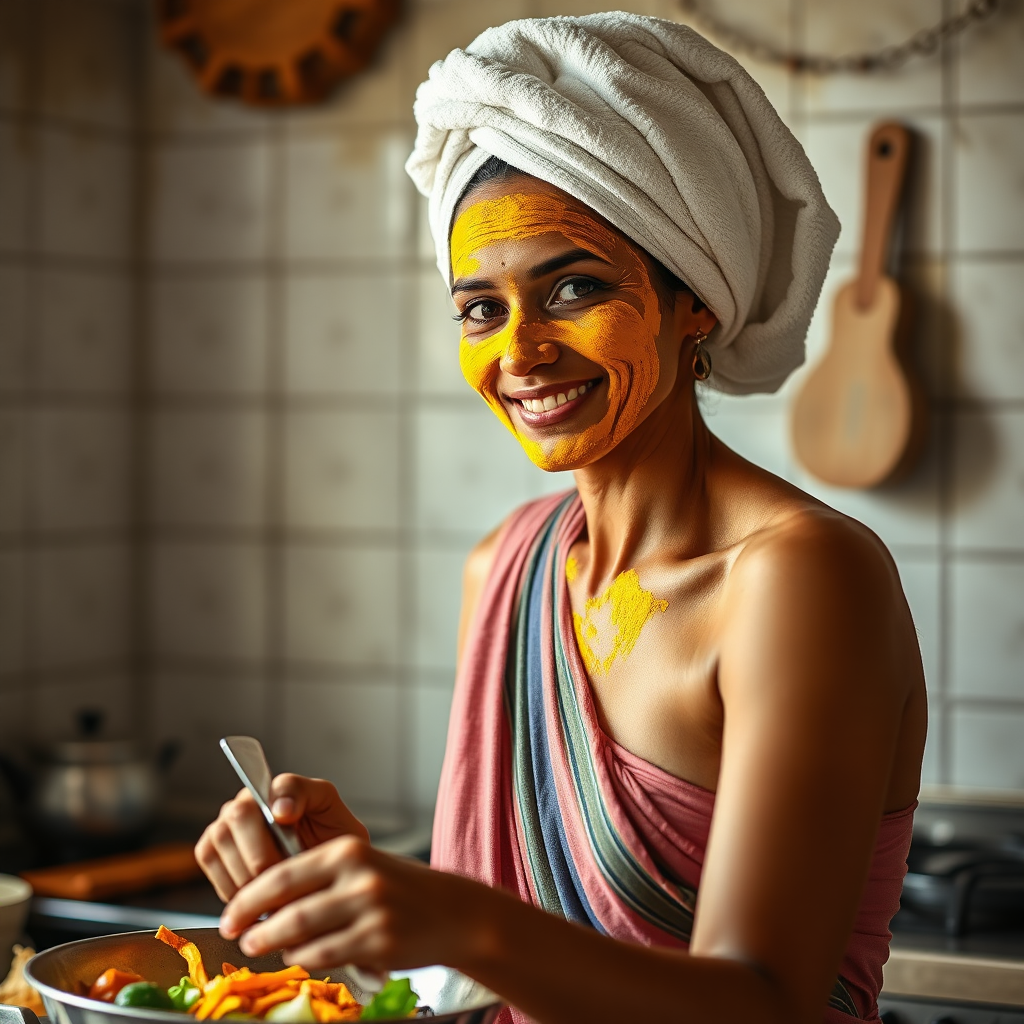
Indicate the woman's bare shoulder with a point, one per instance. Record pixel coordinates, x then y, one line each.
809 543
815 590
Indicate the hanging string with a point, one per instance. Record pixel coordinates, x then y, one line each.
920 44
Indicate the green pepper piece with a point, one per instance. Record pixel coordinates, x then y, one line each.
395 1000
184 995
144 994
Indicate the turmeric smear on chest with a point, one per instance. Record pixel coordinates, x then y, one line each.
611 624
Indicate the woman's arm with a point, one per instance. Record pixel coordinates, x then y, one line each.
817 658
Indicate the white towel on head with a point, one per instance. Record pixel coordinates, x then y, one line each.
665 136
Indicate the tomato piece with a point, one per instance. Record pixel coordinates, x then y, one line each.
110 982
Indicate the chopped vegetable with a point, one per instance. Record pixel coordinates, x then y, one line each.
185 995
110 982
395 999
230 1004
288 996
190 951
144 993
296 1011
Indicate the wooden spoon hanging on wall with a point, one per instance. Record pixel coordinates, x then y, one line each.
860 418
274 52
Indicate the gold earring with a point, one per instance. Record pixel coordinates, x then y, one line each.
701 358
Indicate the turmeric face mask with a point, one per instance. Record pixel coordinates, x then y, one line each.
617 329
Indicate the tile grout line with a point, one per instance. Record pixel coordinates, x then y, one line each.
275 457
32 332
944 420
141 676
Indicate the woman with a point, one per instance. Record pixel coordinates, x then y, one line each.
687 731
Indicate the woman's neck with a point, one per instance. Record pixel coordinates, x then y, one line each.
650 492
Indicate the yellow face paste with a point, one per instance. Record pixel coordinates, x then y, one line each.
618 333
610 624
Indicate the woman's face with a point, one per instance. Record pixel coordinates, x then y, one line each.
562 329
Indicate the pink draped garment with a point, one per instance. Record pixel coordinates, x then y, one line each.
486 822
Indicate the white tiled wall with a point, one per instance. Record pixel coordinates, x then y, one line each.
313 469
68 145
956 526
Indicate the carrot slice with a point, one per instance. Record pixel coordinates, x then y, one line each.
269 980
167 936
229 1004
342 996
190 951
325 1012
279 995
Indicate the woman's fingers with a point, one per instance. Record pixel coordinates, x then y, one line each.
250 834
360 944
236 847
285 882
314 807
227 852
301 921
289 797
209 860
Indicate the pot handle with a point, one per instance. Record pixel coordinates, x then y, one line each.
165 758
17 778
18 1015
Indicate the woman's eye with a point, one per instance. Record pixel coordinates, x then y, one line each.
577 288
483 311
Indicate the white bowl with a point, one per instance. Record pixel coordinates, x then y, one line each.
15 894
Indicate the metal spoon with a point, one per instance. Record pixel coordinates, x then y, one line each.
247 757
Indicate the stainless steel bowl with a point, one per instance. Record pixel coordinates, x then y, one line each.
59 972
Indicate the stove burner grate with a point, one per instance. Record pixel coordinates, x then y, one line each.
965 886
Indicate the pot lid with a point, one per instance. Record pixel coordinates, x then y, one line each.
88 747
92 752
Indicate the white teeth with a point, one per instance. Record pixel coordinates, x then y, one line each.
554 401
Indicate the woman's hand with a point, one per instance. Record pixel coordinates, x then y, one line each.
238 846
345 902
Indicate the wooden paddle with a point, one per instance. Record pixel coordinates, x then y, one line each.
859 419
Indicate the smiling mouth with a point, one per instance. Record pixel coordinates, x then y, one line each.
555 406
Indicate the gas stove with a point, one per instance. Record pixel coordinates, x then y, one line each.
957 953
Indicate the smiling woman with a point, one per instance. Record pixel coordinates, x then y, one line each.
687 728
584 290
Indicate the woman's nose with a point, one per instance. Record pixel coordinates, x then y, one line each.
525 352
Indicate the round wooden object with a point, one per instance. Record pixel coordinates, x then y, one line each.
274 52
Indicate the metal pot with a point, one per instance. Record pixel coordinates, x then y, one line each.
90 795
59 973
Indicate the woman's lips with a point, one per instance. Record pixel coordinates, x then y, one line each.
554 407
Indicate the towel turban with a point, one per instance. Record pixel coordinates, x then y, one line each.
666 137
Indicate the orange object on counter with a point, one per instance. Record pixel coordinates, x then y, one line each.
125 873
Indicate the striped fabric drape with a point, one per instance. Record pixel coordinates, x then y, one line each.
584 861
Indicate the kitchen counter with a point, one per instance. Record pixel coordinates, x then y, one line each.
965 977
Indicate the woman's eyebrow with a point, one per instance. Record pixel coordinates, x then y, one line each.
558 262
473 284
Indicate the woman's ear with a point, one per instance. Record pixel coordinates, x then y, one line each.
691 317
